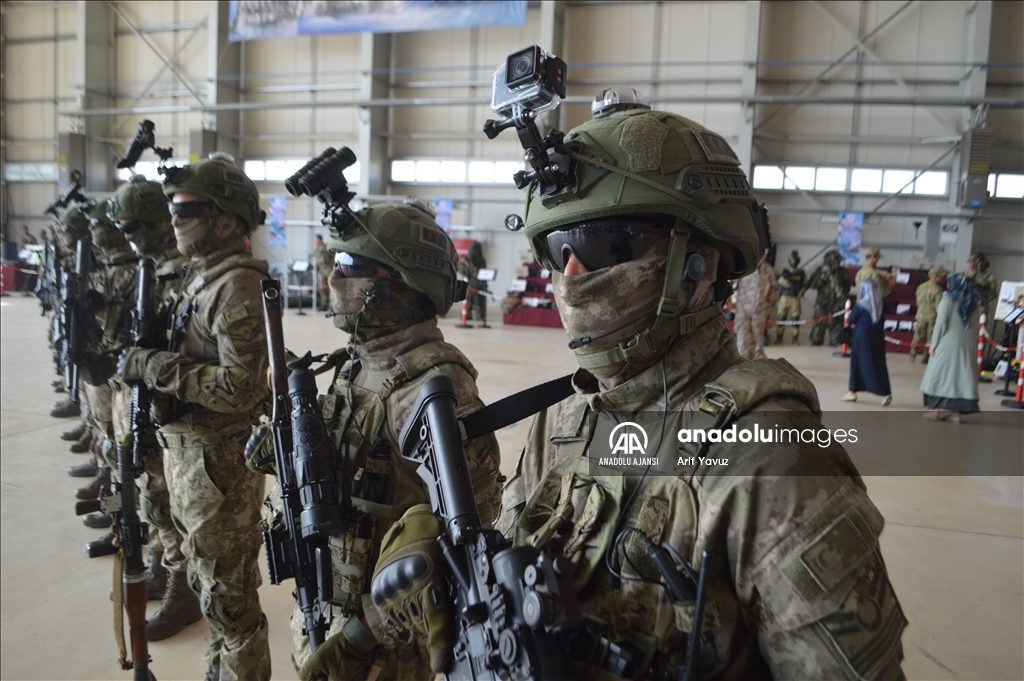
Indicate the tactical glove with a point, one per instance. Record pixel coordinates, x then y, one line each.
259 450
409 586
343 655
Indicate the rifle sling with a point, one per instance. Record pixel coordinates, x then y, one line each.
513 408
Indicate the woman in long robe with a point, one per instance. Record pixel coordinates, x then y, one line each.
868 370
950 383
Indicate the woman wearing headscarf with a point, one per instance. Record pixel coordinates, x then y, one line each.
950 383
868 371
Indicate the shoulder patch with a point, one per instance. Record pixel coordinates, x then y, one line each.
866 629
834 553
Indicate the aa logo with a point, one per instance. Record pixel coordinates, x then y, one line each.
628 439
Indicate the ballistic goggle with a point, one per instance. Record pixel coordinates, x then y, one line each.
605 243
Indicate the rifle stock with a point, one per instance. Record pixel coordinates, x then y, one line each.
516 608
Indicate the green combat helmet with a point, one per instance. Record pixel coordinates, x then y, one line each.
139 199
406 239
221 182
651 162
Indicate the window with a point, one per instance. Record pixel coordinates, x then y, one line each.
276 171
453 171
767 177
30 172
931 183
403 171
504 170
428 171
830 180
481 171
992 184
255 170
866 180
898 181
1010 187
799 177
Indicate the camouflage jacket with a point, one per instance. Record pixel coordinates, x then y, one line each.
324 262
755 292
386 379
792 533
218 373
831 285
987 287
885 283
115 283
928 296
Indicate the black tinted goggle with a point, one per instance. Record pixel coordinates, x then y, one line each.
129 227
192 209
355 266
602 244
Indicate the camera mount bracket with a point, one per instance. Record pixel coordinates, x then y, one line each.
552 166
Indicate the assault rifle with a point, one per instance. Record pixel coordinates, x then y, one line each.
76 318
304 457
48 281
65 199
122 502
516 609
517 616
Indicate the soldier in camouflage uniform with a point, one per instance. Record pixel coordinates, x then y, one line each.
112 290
885 280
139 209
469 268
324 265
793 535
832 283
755 295
72 227
394 273
210 389
977 272
928 296
792 286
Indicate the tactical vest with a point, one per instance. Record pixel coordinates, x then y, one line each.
354 553
574 510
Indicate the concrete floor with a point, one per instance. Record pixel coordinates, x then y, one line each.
954 545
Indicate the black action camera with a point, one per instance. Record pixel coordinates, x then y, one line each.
531 78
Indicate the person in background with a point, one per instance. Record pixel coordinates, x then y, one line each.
868 371
885 281
324 265
792 285
27 238
950 383
984 282
928 296
469 269
755 294
832 283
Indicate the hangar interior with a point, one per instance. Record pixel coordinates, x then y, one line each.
899 110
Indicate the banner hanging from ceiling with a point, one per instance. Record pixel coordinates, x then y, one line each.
252 19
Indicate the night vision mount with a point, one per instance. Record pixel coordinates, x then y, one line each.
324 178
145 138
530 82
72 195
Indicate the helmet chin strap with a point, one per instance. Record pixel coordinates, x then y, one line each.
668 321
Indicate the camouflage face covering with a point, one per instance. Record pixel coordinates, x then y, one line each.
384 304
597 302
151 239
190 232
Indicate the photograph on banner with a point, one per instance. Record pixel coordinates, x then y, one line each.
444 213
276 221
851 224
251 20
